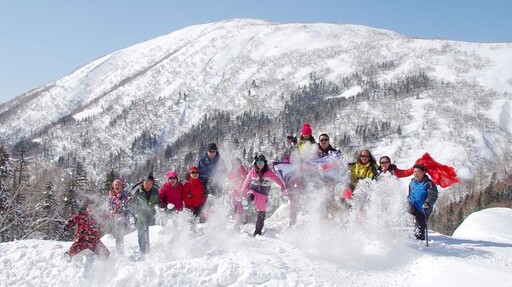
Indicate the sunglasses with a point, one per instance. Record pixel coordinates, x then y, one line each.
364 156
384 162
260 162
324 140
212 151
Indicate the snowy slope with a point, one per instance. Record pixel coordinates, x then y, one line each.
306 255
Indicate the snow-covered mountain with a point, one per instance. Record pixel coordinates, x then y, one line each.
168 84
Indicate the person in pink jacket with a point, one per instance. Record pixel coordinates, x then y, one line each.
237 177
257 187
171 192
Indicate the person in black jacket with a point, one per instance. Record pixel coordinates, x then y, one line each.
324 146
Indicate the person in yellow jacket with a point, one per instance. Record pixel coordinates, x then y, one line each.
365 167
306 143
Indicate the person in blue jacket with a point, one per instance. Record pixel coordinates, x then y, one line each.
212 170
422 197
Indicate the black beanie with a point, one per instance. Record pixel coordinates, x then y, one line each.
212 146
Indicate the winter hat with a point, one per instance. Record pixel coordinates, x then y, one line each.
193 168
306 129
171 173
212 146
150 177
420 166
119 181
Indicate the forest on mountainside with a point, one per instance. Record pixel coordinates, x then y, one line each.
38 195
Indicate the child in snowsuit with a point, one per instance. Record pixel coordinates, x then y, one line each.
118 217
257 186
194 193
87 232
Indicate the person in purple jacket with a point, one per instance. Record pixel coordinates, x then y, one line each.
257 186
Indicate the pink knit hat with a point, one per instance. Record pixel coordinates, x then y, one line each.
171 173
306 129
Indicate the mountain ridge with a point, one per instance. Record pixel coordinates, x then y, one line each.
171 83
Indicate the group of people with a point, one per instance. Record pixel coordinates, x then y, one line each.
253 186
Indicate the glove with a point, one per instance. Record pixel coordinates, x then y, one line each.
66 228
347 194
427 209
292 139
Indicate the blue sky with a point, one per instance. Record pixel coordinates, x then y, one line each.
42 41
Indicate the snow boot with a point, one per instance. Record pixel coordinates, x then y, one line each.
260 221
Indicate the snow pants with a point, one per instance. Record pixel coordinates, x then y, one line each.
97 247
419 222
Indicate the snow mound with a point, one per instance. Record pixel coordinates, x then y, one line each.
488 225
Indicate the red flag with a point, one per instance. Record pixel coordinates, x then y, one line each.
440 174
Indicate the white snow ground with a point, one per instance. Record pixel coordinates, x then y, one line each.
374 250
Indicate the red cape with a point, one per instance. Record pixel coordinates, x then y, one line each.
440 174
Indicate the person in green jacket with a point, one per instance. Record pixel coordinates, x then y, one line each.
145 200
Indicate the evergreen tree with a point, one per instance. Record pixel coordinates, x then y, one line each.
107 184
4 167
48 222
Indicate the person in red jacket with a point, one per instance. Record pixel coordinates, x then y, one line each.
194 193
171 192
87 232
385 166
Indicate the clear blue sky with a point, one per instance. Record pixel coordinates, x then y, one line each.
43 40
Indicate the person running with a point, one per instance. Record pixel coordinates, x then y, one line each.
364 167
87 235
171 193
237 176
145 199
422 197
194 193
212 170
118 217
257 187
